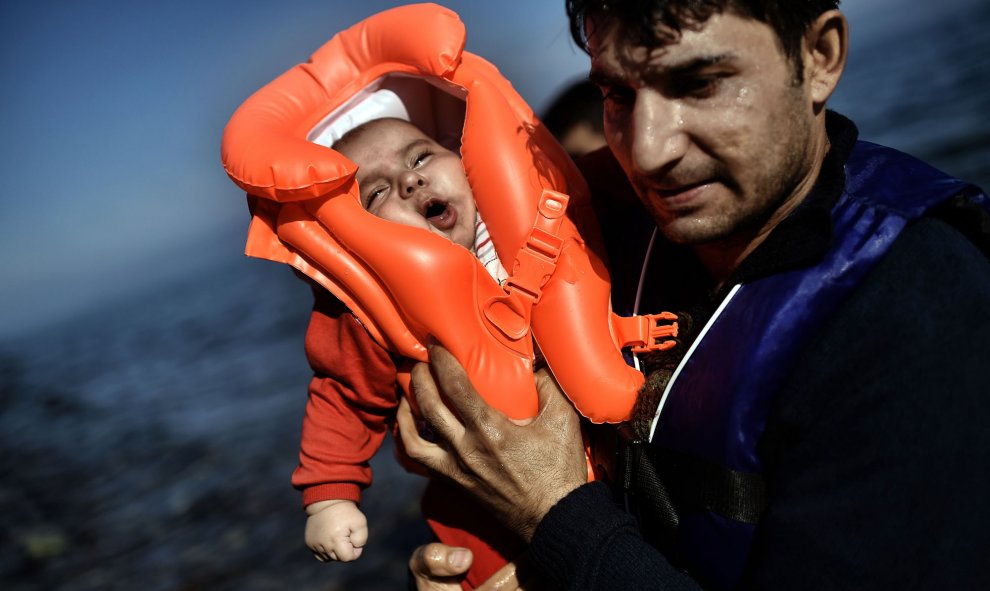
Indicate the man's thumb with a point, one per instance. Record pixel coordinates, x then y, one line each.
440 560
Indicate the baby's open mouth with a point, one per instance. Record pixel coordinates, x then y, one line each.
435 208
440 215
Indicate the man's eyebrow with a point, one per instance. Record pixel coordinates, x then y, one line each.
697 63
602 77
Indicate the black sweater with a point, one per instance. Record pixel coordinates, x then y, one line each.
877 447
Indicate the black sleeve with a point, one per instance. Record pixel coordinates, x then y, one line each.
878 449
586 542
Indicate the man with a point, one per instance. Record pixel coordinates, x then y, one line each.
823 424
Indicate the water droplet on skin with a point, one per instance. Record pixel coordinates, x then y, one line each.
743 97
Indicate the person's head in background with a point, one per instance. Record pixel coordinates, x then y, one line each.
574 117
406 177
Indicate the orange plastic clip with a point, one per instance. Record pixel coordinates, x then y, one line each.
650 332
535 263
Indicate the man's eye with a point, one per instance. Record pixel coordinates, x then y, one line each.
618 95
697 86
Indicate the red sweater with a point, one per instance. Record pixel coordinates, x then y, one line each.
351 405
352 400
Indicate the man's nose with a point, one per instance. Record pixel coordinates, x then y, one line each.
659 139
410 183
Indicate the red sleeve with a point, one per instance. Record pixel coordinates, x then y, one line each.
352 399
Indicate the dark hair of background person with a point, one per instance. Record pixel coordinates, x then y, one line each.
574 117
788 18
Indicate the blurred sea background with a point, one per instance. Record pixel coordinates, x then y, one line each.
152 379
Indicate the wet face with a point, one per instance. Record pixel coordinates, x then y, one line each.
408 178
712 130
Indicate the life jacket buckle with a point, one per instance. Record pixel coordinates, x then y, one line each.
537 258
535 263
648 332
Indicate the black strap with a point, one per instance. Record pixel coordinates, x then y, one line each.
660 485
739 496
647 496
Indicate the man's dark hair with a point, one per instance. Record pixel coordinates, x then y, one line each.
638 18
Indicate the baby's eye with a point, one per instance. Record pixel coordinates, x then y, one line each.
373 196
420 159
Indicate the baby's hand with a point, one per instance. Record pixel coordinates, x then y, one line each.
336 530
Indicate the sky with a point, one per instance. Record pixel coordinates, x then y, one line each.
111 114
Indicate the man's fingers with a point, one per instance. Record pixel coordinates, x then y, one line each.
457 388
417 448
445 426
431 405
504 579
516 575
546 387
439 560
554 406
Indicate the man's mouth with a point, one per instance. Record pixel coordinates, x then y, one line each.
685 195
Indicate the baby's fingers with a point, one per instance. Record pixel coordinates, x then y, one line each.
321 554
359 539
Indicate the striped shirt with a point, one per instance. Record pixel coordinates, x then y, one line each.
484 249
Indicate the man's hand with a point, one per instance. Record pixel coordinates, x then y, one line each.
519 471
435 567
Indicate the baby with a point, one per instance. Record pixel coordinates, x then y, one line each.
405 176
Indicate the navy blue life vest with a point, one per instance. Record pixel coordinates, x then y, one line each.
761 329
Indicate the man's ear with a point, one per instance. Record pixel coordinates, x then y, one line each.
826 45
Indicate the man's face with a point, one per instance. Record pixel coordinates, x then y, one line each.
408 178
712 129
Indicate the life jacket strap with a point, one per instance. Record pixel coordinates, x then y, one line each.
660 485
536 260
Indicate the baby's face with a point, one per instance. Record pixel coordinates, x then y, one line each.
407 177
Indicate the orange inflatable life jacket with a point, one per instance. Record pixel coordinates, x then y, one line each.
405 284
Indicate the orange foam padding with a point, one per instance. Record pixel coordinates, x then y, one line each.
407 285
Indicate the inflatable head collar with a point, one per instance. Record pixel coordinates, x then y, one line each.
405 284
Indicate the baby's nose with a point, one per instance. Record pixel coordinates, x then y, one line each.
412 182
